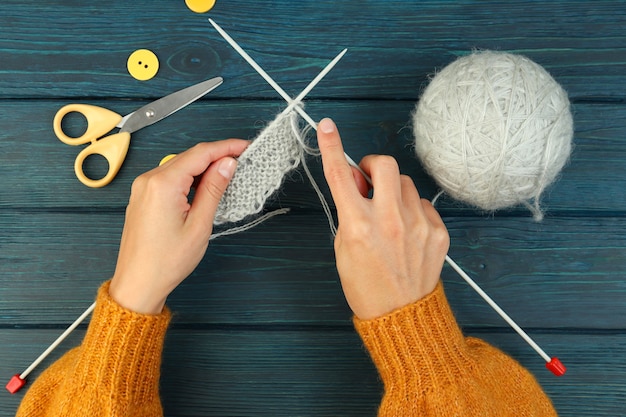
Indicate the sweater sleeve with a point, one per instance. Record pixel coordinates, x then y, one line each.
114 372
429 369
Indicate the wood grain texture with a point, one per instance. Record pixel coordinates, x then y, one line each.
251 371
582 189
262 328
77 49
554 274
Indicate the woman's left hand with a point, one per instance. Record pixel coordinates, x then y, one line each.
165 235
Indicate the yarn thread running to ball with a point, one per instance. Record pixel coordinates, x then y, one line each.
494 129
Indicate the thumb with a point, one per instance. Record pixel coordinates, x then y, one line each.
209 191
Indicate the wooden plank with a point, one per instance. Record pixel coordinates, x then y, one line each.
317 371
70 49
37 169
559 273
262 326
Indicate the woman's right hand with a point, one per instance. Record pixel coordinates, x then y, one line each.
389 248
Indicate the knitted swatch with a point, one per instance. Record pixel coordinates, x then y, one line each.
261 168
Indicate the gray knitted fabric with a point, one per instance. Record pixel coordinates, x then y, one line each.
261 169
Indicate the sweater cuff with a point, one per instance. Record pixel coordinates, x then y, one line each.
124 349
420 339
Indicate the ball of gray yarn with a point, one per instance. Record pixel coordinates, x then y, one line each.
494 130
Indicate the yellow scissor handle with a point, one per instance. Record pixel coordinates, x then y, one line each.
167 158
100 121
113 148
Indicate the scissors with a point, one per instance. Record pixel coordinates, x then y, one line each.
101 121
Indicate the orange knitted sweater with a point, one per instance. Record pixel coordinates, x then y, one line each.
428 368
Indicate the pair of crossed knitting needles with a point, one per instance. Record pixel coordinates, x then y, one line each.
553 364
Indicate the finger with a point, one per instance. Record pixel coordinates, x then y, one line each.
362 184
385 175
441 237
431 213
410 195
209 192
337 171
411 198
197 159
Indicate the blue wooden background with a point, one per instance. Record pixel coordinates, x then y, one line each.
261 328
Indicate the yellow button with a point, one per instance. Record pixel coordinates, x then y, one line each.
143 64
200 6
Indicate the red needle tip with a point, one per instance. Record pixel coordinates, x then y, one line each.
556 367
15 384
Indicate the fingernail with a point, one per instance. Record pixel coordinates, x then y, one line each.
326 125
227 167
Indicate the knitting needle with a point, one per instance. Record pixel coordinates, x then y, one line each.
19 380
262 72
553 364
280 91
293 103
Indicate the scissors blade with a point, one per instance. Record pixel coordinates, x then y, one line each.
166 106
